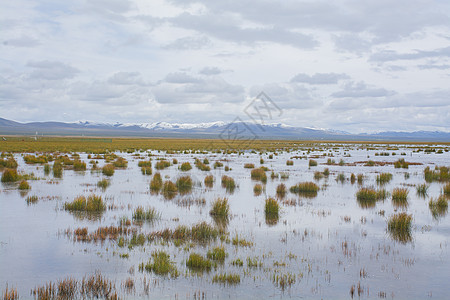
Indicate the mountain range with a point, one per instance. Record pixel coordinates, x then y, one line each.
210 130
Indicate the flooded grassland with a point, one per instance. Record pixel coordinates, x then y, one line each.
321 221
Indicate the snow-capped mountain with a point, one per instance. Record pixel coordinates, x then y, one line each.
209 130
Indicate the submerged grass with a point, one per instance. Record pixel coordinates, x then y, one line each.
259 174
438 207
384 178
422 190
209 181
272 210
108 170
228 183
367 197
160 264
306 189
400 197
92 204
10 175
197 262
229 279
217 254
156 183
150 215
399 227
220 208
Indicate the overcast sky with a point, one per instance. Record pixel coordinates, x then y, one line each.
358 66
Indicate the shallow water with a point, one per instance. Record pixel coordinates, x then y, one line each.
308 241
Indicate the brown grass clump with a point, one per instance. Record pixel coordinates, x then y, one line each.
209 181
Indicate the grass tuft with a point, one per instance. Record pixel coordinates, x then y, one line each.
197 262
186 166
184 184
306 189
150 215
209 181
108 170
160 264
156 183
438 207
384 178
259 174
10 175
271 211
92 204
217 254
399 226
220 208
228 183
229 279
24 185
400 197
169 189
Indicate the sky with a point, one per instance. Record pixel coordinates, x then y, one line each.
351 65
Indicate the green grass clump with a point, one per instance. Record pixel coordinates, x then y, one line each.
318 175
103 184
281 190
160 264
217 254
224 278
24 185
79 165
108 170
32 199
384 178
422 190
209 181
156 183
162 164
360 178
184 184
150 215
237 262
203 232
441 174
120 162
228 183
271 211
401 163
220 208
367 197
257 189
31 159
9 163
259 174
92 204
169 189
186 166
438 207
46 169
146 170
289 162
57 169
145 163
399 226
249 166
446 189
312 163
400 197
197 262
340 178
202 166
218 164
307 189
10 175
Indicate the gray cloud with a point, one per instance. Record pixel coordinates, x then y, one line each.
390 55
210 71
189 43
319 78
23 41
126 78
51 70
225 28
359 90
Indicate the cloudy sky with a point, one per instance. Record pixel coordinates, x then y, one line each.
358 66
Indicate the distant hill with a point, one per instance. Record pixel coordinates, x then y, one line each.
210 130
